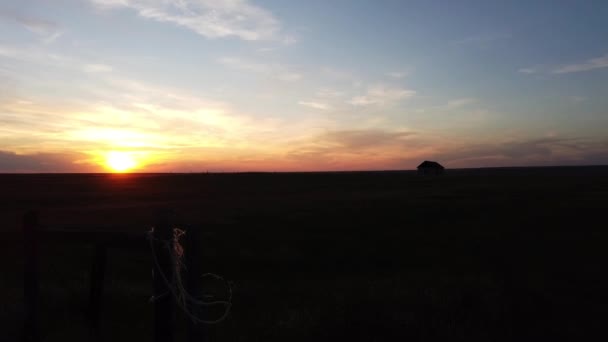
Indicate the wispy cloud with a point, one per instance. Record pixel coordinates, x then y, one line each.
588 65
315 105
339 74
577 99
482 39
528 70
97 68
36 55
397 74
457 103
276 71
381 95
126 114
41 55
329 93
591 64
289 40
245 65
552 150
362 149
208 18
110 109
41 162
48 30
266 49
365 138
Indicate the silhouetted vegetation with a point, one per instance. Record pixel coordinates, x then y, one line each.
474 255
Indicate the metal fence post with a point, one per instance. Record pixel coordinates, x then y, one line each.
197 331
30 280
163 273
98 269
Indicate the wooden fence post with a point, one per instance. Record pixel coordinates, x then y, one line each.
98 269
30 279
163 273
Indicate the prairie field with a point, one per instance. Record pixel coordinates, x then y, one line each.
473 255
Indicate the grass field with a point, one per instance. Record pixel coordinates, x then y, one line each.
474 255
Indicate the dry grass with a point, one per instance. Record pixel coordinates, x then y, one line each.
476 256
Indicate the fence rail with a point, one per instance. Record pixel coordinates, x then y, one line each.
102 238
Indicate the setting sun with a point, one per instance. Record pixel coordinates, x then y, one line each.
120 161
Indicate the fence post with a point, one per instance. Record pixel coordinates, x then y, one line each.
98 269
197 332
30 279
163 272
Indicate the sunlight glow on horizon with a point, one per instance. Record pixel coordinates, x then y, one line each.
273 86
120 161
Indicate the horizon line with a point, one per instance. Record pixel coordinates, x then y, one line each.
287 172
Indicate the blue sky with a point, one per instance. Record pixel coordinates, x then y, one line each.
233 85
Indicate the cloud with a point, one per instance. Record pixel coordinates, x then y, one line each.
315 105
44 57
364 138
402 149
577 99
325 99
37 55
528 70
272 70
457 103
397 74
329 93
339 75
239 64
208 18
482 39
40 162
289 40
97 68
266 49
550 150
159 121
107 109
381 95
288 76
357 149
169 116
46 29
591 64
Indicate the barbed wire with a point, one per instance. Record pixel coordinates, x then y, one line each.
184 300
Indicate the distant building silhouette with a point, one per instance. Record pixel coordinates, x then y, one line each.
430 168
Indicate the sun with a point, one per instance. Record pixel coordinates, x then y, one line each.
120 161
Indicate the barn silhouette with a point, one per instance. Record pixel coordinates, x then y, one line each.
430 168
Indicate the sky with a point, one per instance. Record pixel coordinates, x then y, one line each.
316 85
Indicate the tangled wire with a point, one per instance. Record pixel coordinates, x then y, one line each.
185 301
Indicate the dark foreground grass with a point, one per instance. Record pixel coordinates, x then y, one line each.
476 255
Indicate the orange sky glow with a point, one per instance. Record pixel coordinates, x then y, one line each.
223 86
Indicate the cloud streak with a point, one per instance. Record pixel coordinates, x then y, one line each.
315 105
48 30
97 68
40 162
481 39
208 18
365 138
397 74
527 152
276 71
528 71
591 64
381 95
355 149
457 103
